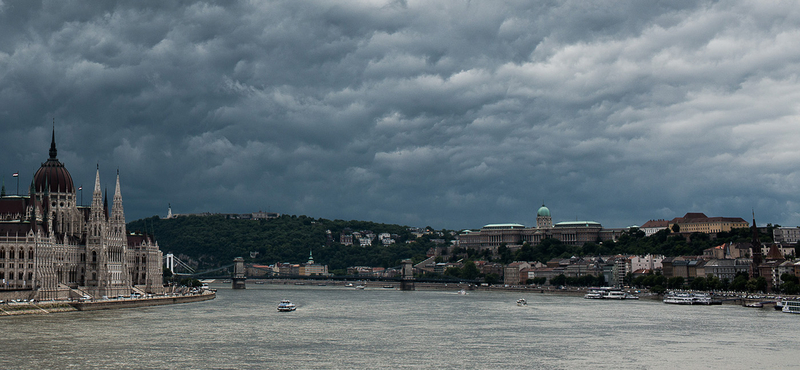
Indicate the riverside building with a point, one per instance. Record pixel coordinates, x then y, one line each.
57 249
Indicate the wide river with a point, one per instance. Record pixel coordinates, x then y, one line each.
340 328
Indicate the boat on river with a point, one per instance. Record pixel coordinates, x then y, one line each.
522 302
593 294
790 306
687 298
608 293
462 292
286 306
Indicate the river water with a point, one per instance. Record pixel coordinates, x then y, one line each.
340 328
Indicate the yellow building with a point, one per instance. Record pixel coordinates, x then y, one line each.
700 223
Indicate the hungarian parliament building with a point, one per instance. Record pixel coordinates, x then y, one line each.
53 248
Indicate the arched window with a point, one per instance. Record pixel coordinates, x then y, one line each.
2 253
2 275
30 254
94 276
30 276
21 254
11 254
94 257
21 275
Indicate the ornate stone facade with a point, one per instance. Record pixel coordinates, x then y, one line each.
57 249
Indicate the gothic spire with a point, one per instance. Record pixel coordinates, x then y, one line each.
53 151
117 213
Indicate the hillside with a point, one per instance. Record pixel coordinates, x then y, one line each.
214 241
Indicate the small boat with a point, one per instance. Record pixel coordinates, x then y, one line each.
388 287
259 282
286 306
754 305
348 285
462 292
360 287
321 284
300 283
522 302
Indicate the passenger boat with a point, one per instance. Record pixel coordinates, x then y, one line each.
286 306
678 298
522 302
791 306
690 298
615 294
608 293
593 294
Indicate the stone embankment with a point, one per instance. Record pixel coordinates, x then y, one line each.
33 308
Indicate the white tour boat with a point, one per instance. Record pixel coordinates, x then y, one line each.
522 302
286 306
791 306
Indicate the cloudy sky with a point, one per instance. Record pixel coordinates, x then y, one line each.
451 114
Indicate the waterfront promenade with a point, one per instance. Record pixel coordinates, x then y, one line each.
48 307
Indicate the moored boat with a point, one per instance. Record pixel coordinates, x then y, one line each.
522 302
687 298
790 306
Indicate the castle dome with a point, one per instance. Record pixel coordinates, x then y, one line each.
52 176
543 212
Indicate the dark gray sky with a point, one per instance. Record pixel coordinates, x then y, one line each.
451 114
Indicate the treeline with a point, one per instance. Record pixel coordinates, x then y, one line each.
213 241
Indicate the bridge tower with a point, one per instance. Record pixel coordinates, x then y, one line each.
407 280
238 277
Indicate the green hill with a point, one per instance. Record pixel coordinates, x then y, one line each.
212 241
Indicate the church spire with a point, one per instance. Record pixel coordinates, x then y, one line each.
117 213
53 151
96 217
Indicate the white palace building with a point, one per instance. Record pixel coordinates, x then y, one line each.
53 248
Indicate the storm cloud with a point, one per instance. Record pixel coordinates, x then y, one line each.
451 114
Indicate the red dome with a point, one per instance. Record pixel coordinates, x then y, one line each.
52 176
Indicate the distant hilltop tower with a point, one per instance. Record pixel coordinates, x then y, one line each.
543 219
169 210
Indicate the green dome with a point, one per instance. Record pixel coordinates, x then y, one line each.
543 212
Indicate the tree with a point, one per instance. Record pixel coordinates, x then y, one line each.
675 282
558 280
453 271
699 283
470 271
491 278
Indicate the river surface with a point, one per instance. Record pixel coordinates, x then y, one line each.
340 328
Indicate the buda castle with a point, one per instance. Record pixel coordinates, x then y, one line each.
53 248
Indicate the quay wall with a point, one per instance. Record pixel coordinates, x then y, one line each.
38 308
141 302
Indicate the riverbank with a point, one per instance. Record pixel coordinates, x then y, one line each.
41 308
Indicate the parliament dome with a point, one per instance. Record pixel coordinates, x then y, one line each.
52 176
